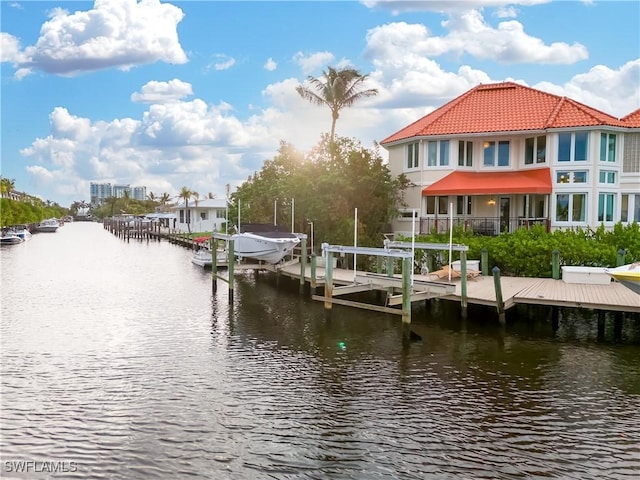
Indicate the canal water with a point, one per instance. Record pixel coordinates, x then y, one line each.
118 362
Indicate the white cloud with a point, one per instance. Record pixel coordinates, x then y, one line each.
398 6
10 49
470 34
613 91
270 65
223 62
114 33
163 92
311 63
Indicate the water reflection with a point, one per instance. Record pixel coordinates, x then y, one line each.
119 356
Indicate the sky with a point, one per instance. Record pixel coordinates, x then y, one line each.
198 94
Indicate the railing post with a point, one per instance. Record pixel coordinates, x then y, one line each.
484 261
621 254
463 283
555 264
498 288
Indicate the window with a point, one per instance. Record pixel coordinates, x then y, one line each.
441 203
636 209
465 154
571 207
607 176
624 208
463 205
607 147
580 177
438 153
413 150
564 176
203 215
572 147
181 216
536 206
499 155
535 150
605 207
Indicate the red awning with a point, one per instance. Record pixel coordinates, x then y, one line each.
491 183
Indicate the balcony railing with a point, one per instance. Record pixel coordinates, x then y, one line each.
482 225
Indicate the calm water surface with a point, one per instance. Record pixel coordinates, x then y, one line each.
119 362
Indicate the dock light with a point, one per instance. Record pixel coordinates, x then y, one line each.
342 345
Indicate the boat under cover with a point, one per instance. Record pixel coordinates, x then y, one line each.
628 275
263 242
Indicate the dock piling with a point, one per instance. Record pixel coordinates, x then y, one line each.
498 288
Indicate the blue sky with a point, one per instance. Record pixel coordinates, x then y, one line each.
200 93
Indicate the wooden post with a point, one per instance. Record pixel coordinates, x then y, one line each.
303 264
230 263
484 261
498 288
555 264
390 272
313 273
328 279
463 283
214 263
406 292
621 254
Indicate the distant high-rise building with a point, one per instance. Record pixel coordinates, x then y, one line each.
101 191
140 193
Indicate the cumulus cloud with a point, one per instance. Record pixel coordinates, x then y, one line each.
470 34
313 62
163 92
270 65
614 91
114 33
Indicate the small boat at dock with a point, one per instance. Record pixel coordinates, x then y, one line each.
204 258
627 275
267 243
10 238
49 225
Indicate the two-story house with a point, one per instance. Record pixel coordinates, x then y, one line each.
504 156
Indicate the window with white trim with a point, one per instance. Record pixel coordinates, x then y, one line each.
463 205
571 207
535 150
606 204
572 147
413 157
565 176
496 153
607 176
438 153
465 154
607 147
441 203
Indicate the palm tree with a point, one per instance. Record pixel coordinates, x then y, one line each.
164 199
186 194
6 186
337 89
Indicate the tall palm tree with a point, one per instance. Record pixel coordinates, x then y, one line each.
165 198
186 194
337 89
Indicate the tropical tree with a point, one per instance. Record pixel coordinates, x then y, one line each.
152 196
6 186
337 89
164 199
185 194
211 195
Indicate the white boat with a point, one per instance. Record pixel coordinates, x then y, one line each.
49 225
627 275
204 259
266 243
10 238
23 232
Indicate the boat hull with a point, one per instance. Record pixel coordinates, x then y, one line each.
627 275
204 259
270 249
10 239
48 226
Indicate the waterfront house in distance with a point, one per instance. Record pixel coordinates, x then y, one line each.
201 215
504 156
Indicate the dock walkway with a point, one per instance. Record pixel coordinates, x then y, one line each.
515 290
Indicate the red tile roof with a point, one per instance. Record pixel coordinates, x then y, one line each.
633 119
492 183
504 107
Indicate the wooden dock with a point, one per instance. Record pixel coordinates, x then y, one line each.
515 290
